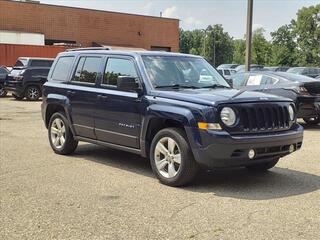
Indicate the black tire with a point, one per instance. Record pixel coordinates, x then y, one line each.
17 97
262 167
70 144
3 92
187 169
33 93
312 121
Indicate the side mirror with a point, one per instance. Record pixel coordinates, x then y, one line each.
127 83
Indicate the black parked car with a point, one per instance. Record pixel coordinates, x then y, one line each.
276 69
27 77
304 91
174 108
306 71
3 75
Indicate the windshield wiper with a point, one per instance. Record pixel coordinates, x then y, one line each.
177 86
216 86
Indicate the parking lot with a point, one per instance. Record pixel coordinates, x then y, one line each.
100 193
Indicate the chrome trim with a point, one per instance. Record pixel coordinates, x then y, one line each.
115 133
83 126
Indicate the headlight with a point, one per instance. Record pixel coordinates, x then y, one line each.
291 112
228 116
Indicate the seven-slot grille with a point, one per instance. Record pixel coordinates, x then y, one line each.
259 117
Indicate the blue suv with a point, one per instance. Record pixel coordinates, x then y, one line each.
175 109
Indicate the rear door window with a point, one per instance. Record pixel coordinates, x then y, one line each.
87 70
267 80
62 68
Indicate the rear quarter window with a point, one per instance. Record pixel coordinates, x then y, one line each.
62 69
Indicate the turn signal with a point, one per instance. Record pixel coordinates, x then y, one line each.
206 126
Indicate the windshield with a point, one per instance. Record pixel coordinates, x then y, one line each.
166 71
21 63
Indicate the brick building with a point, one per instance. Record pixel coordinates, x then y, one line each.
87 27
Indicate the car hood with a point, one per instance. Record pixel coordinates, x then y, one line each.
217 96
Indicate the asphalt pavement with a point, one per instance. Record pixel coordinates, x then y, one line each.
100 193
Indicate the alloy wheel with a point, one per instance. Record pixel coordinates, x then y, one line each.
58 133
33 93
167 157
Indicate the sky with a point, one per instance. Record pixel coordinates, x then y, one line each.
198 14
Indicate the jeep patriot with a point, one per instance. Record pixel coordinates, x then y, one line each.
175 109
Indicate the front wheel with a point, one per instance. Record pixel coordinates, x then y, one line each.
60 135
171 157
3 92
33 93
262 167
312 121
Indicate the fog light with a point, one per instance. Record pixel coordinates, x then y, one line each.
251 153
291 148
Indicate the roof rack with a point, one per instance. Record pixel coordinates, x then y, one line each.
88 48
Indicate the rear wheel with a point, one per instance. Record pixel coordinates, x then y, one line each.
3 93
312 121
261 167
60 135
171 157
33 93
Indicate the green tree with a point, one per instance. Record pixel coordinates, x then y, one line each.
284 47
218 45
261 48
307 31
239 52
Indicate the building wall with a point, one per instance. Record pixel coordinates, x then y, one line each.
10 52
12 37
86 26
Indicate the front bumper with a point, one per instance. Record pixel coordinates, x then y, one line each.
220 149
308 107
15 87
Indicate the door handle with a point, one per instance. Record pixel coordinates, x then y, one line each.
71 93
102 97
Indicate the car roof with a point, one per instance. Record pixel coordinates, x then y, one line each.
36 58
132 53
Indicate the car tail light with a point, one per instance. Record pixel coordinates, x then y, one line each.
303 90
300 90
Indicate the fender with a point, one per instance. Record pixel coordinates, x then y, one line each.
63 101
176 113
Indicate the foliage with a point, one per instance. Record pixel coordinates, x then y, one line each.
284 47
239 52
294 44
213 43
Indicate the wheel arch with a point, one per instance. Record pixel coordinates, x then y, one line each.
159 117
57 103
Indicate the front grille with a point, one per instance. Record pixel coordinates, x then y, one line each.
261 117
